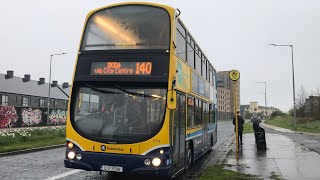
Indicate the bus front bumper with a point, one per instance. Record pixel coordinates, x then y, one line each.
130 163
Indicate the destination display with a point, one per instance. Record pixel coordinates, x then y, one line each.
121 68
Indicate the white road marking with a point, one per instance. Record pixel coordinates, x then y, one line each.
64 174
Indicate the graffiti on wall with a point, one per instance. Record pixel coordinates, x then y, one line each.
58 116
8 116
31 116
11 116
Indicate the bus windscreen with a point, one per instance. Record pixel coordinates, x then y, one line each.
127 27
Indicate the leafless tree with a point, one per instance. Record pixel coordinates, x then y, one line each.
317 91
317 104
300 101
301 97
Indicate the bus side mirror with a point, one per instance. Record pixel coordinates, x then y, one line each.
172 100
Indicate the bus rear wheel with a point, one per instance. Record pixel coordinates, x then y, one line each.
189 158
211 144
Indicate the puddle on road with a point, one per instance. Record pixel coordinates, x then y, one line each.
241 162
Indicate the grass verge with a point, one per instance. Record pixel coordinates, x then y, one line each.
275 176
303 124
247 128
217 172
28 138
32 144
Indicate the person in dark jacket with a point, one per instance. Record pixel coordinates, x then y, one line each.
256 120
240 126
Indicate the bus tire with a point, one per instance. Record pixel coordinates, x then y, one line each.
211 143
190 156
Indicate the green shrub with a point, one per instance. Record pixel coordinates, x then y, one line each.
277 113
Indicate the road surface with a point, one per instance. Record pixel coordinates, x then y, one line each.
48 164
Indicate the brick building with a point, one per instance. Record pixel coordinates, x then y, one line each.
226 96
248 110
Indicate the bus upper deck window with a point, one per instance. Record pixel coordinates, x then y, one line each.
127 27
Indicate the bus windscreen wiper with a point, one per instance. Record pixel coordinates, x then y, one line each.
136 93
101 90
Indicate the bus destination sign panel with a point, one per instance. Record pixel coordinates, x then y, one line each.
121 68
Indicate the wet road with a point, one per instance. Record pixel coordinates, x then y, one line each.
49 165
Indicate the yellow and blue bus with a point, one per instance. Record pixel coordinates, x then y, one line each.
143 97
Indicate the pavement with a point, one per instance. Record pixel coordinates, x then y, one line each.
218 153
283 159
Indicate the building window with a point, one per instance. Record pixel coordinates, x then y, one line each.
41 103
25 101
55 104
65 103
4 100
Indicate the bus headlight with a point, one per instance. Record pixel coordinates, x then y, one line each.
147 162
156 162
78 156
70 145
71 155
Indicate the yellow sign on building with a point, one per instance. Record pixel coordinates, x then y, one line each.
234 75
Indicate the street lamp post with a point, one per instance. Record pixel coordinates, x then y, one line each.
294 93
48 111
265 97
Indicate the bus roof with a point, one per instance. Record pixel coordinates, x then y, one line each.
169 8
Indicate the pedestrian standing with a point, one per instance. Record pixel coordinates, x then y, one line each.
240 126
256 120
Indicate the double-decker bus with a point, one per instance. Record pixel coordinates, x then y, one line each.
143 98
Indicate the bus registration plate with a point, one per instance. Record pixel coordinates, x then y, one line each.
111 168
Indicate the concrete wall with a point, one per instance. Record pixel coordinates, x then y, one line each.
11 116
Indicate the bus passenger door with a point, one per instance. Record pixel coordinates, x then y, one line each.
179 130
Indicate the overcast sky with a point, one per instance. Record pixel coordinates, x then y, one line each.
234 34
